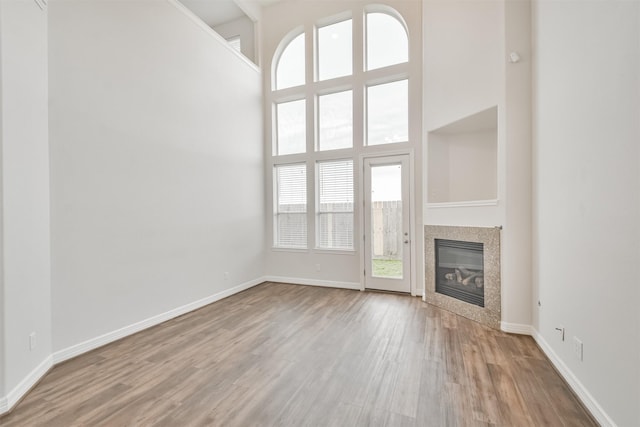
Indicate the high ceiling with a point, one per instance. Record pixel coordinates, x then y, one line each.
216 12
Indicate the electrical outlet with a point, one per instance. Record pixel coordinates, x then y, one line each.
32 341
226 275
317 267
577 348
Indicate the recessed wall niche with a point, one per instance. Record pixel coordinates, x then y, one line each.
462 161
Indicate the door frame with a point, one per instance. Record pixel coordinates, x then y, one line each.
412 213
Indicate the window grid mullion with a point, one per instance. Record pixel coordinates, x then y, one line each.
357 82
359 104
290 204
335 184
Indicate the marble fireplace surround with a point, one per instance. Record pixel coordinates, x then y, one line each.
488 315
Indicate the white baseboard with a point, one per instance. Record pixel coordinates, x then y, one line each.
13 397
93 343
578 388
7 402
313 282
516 328
18 392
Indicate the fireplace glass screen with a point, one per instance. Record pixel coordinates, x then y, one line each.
460 270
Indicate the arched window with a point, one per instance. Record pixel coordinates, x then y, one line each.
334 50
323 125
290 64
387 41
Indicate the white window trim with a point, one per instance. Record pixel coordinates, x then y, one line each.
357 82
275 213
317 205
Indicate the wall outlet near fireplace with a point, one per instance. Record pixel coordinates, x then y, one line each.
577 348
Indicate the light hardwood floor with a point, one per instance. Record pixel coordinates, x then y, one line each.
295 355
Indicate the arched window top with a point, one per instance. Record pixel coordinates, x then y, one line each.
334 55
387 39
290 70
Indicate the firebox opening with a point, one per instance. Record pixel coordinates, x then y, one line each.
460 270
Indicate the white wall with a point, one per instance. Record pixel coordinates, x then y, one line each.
244 28
25 191
516 157
462 58
463 166
466 72
157 165
587 194
2 298
473 166
463 75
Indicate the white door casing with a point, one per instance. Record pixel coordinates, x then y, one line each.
387 227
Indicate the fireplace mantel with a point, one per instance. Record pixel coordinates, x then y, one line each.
490 314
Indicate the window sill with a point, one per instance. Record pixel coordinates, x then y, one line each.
285 249
335 251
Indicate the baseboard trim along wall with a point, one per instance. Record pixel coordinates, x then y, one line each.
516 328
578 388
14 396
313 282
9 401
92 344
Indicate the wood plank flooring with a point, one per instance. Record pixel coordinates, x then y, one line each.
288 355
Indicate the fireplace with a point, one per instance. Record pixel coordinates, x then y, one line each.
460 270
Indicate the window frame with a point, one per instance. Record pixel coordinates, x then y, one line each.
277 213
277 57
393 14
276 127
390 80
357 82
333 91
333 20
318 204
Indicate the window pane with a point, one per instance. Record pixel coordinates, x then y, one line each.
291 125
387 42
290 70
334 50
335 231
386 221
335 205
335 121
388 113
291 206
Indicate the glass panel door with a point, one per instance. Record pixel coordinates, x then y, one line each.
387 248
